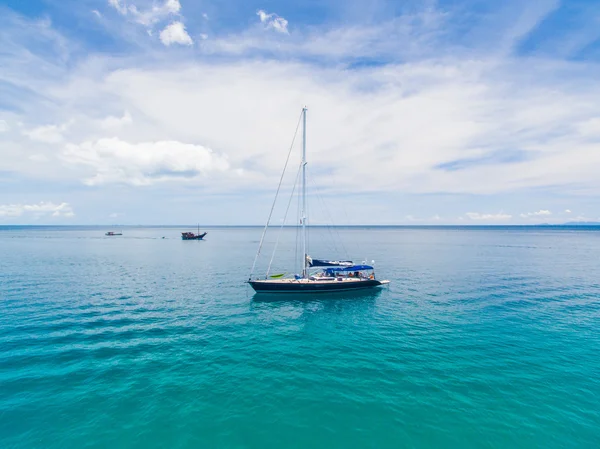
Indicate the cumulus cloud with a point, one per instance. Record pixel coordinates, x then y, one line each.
567 211
488 217
117 161
175 33
36 210
273 21
539 213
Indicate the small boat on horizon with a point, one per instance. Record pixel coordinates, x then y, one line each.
192 236
318 275
111 233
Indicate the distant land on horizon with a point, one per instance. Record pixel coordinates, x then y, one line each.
572 223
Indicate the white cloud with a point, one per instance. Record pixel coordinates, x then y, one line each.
449 111
97 13
175 33
36 210
488 217
540 213
205 16
4 126
262 15
150 16
203 36
273 21
567 211
117 122
452 116
173 6
119 5
407 37
48 133
117 161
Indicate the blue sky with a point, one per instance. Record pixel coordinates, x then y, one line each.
179 111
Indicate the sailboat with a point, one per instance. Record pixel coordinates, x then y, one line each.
318 275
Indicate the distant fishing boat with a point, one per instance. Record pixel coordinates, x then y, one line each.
318 275
192 236
110 233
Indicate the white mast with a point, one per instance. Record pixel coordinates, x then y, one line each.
304 270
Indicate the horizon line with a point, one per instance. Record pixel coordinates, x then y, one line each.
574 224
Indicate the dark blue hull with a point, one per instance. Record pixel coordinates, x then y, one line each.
312 287
190 236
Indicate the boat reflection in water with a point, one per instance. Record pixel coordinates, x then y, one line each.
331 297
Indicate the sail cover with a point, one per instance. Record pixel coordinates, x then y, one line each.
351 268
327 263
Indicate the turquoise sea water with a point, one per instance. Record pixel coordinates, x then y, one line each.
486 338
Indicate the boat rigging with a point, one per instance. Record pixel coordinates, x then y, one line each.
317 275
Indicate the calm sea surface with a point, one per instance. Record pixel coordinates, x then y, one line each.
486 338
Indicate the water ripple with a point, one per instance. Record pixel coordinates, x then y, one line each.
483 339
